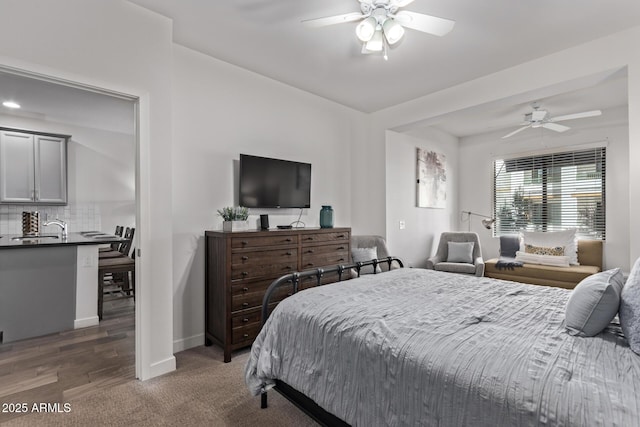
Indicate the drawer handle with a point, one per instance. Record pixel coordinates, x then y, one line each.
309 264
245 335
309 238
287 239
341 259
310 251
244 243
289 294
341 236
245 273
244 258
245 320
341 248
288 254
245 289
288 267
245 304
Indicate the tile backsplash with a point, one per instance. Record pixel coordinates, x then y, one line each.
84 217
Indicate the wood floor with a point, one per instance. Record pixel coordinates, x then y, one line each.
57 367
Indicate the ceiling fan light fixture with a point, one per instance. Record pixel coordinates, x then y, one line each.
375 44
392 31
366 29
11 104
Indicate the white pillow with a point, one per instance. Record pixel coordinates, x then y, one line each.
556 261
460 252
365 254
549 239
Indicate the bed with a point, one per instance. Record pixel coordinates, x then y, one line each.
420 347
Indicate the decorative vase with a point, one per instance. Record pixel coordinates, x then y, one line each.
235 225
326 217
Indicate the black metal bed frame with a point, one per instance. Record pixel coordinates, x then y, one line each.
300 400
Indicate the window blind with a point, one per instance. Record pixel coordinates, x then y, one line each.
551 192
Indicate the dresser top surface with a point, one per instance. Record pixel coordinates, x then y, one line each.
221 233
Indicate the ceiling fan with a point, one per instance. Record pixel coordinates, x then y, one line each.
540 118
382 24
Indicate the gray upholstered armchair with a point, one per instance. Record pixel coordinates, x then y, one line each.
461 256
369 241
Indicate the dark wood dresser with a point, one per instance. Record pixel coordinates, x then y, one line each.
240 265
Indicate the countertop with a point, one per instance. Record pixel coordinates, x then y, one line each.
10 241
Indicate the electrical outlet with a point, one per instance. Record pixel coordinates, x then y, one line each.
402 224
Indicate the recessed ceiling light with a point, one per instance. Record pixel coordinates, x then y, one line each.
11 104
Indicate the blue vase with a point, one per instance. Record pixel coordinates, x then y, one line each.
326 217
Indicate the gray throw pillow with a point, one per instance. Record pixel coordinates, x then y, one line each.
630 308
594 303
460 252
365 254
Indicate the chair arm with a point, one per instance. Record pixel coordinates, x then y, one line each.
479 263
431 262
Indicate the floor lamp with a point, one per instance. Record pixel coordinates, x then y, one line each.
487 221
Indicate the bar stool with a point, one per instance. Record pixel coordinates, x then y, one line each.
122 265
113 246
121 248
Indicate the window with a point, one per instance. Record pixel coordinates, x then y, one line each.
551 192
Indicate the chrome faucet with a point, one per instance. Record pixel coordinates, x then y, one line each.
59 223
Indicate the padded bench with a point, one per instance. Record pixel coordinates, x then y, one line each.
589 257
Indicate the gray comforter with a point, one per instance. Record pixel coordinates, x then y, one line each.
418 347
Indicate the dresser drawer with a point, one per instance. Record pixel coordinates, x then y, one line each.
249 300
246 318
335 236
266 271
243 260
245 333
309 251
324 259
241 288
264 241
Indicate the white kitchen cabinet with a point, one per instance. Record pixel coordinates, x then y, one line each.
33 168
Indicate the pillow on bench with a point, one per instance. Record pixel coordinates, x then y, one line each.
552 239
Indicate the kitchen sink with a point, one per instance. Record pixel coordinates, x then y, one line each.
40 237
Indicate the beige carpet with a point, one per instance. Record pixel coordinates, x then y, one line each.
203 391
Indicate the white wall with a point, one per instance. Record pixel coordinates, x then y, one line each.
476 166
220 111
119 46
101 172
419 239
608 53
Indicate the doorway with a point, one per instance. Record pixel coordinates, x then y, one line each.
103 177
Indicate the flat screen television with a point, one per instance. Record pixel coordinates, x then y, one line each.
274 183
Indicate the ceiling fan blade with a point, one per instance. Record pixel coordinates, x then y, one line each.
516 131
400 3
425 23
331 20
556 127
593 113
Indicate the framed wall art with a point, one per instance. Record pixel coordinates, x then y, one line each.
431 179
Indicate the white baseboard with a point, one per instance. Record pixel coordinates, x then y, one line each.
189 342
162 367
86 322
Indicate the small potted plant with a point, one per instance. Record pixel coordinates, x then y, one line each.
234 218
